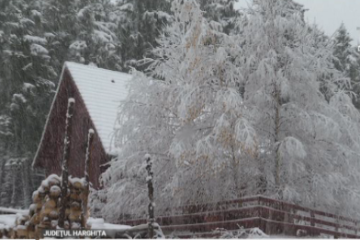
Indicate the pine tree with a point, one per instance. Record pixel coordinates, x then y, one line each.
27 85
59 29
26 88
140 23
355 77
96 41
347 61
221 11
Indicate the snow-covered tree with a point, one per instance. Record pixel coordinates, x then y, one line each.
27 78
16 183
26 87
96 41
192 122
348 61
140 23
221 11
264 112
307 127
59 22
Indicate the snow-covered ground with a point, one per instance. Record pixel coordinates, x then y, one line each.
13 210
256 233
7 221
99 223
111 229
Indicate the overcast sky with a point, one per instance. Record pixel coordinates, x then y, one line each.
329 14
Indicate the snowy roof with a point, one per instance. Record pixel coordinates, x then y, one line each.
102 91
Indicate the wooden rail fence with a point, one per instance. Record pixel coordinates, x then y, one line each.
271 216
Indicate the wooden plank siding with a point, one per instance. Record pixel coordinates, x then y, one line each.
51 148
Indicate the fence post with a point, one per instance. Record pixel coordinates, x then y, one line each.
337 224
356 227
286 219
259 208
312 222
312 215
149 181
85 211
65 162
269 228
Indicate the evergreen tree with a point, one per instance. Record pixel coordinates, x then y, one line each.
348 61
140 24
96 36
59 29
221 11
27 82
26 87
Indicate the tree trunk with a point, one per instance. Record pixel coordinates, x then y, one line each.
277 131
14 186
65 162
26 183
85 211
151 196
6 187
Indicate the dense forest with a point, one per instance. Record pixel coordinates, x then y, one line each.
236 80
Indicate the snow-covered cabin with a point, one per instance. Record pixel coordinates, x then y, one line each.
97 93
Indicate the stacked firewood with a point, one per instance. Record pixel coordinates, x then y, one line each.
44 212
74 209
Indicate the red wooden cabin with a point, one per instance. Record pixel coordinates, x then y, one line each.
97 93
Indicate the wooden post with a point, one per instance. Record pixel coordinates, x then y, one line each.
85 211
337 223
65 162
356 227
312 222
149 181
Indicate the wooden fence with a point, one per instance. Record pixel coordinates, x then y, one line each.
271 216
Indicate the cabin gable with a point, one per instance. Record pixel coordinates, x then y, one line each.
50 152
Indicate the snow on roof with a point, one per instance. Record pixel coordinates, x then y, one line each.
102 91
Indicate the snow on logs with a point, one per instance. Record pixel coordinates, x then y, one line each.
44 212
